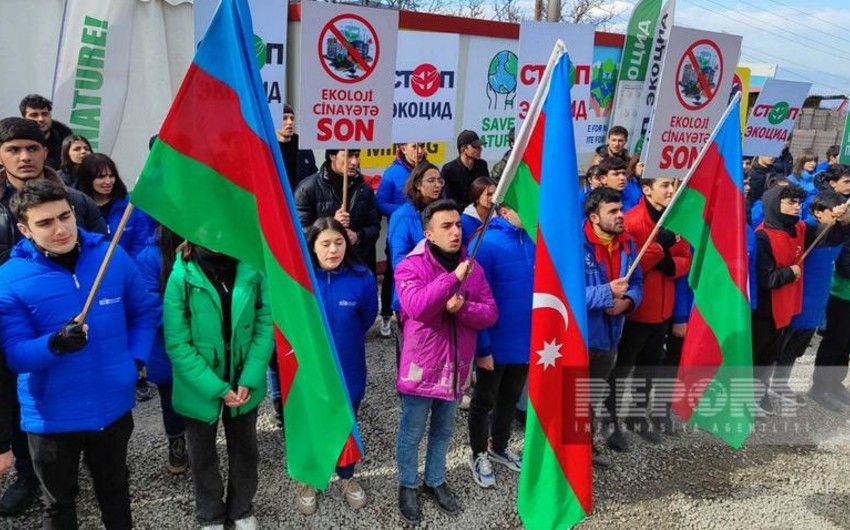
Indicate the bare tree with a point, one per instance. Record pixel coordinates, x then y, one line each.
508 11
594 12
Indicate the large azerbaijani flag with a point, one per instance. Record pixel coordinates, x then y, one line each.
716 366
555 485
216 177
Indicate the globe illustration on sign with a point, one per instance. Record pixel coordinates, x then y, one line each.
502 79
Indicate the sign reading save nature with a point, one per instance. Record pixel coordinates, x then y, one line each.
348 63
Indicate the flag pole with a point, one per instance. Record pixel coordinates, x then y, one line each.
682 185
105 264
344 206
819 238
520 145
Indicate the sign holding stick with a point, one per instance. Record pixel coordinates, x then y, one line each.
105 264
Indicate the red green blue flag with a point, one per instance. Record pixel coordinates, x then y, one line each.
216 177
715 375
555 485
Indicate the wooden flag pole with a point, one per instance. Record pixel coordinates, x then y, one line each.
345 181
81 319
702 152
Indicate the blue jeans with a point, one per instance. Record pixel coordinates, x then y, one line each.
414 417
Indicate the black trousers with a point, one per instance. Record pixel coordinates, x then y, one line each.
56 459
498 391
768 342
20 442
211 506
387 287
642 349
834 350
601 362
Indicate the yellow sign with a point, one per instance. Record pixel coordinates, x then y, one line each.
380 159
742 82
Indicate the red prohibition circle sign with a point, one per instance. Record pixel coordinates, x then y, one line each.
696 88
357 61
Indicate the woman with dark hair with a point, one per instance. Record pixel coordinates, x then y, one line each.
347 290
803 174
98 178
217 323
481 192
424 186
75 148
155 263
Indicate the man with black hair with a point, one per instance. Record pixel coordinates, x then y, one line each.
613 173
609 251
445 301
299 163
320 195
40 110
460 173
837 177
830 159
615 146
76 381
781 241
641 347
22 155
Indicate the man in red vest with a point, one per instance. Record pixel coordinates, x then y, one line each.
781 241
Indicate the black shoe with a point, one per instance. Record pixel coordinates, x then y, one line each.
618 441
178 460
445 500
19 495
408 505
519 416
766 405
828 401
277 405
144 391
841 394
649 431
600 461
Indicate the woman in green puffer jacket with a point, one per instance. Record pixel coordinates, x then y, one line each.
218 335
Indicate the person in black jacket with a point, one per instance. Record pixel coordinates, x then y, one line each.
460 173
761 169
320 195
299 163
22 155
40 110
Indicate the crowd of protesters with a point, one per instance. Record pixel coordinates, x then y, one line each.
197 324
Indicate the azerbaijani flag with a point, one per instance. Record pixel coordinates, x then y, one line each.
216 177
555 485
716 366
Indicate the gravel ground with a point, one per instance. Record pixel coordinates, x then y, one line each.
692 481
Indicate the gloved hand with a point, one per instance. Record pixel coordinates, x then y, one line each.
665 238
72 337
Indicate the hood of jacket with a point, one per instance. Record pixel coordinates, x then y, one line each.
472 212
773 217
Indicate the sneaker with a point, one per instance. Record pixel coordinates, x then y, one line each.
386 326
765 405
19 495
507 458
178 460
465 401
246 523
144 391
306 501
353 493
601 461
482 470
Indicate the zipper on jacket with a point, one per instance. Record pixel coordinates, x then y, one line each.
76 281
454 351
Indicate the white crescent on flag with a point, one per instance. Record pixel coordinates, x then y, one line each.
550 301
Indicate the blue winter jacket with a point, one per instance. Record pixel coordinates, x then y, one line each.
604 331
507 257
89 389
817 280
632 194
470 223
390 195
137 231
150 265
351 305
683 301
404 232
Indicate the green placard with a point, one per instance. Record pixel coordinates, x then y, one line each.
844 155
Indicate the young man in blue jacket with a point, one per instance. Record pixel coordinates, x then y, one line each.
76 382
507 257
609 251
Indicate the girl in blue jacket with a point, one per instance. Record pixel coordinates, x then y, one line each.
347 290
155 263
99 179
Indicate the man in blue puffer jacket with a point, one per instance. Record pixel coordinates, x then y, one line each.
609 251
507 257
76 382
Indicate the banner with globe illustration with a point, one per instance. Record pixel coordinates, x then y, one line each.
603 81
536 40
490 95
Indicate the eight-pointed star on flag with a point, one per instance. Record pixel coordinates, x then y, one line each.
550 353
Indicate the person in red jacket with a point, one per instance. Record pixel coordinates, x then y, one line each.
642 344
